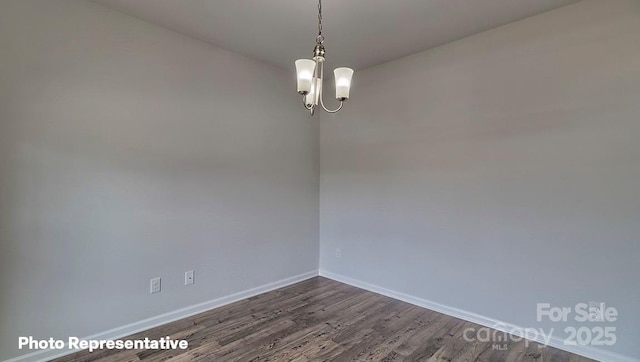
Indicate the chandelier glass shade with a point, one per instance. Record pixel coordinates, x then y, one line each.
310 74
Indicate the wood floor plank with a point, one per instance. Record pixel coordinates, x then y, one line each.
323 320
451 329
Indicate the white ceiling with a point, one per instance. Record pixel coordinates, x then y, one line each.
359 33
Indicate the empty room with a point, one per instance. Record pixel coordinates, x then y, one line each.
320 180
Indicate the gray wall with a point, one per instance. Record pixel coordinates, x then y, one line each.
128 152
497 171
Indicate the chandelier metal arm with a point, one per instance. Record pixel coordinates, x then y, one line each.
328 110
305 104
310 108
320 74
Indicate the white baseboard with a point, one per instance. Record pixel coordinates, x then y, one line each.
120 332
586 351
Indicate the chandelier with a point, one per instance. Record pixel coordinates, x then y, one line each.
310 75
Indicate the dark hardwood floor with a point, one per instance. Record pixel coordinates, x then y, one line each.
324 320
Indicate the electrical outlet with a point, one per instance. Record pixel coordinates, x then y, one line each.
188 277
155 285
338 253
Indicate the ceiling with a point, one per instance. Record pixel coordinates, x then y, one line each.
359 33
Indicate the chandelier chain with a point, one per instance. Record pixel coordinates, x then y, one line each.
319 17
